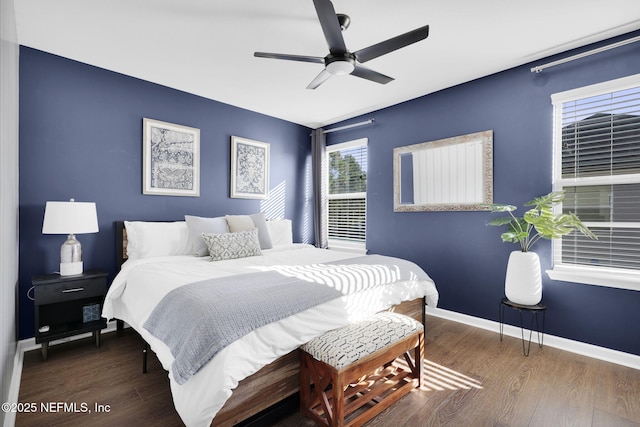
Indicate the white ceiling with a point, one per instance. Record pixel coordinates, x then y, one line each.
205 47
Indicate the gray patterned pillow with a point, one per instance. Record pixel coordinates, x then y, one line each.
232 245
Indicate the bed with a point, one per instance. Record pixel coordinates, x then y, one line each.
262 367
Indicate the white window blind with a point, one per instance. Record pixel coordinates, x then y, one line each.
347 195
597 164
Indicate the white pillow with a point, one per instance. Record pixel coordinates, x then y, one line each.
240 244
151 239
247 222
280 231
198 225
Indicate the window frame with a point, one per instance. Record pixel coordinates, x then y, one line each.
338 244
602 276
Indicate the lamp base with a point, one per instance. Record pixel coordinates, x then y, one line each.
70 268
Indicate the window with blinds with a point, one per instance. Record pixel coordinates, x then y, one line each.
347 194
597 164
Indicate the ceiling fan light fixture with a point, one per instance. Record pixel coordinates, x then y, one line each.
340 68
340 65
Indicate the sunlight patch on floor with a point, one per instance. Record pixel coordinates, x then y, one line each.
436 377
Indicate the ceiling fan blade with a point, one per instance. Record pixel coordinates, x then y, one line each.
300 58
320 78
369 74
395 43
330 26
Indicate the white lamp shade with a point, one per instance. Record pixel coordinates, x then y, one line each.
70 218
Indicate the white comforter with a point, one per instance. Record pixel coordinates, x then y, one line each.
141 284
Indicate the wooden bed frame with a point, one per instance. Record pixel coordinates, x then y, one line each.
274 382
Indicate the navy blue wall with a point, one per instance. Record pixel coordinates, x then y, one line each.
81 137
465 257
81 131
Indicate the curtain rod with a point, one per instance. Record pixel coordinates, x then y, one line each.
366 122
539 68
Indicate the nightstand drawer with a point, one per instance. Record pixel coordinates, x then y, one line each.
69 290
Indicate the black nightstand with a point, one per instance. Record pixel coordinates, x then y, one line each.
68 305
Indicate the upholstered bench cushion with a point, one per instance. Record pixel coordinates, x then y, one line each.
344 346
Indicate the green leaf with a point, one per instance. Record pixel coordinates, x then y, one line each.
514 237
582 228
500 221
499 207
550 199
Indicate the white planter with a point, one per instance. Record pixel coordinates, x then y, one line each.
523 283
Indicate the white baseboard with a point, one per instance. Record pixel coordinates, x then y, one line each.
28 345
14 386
589 350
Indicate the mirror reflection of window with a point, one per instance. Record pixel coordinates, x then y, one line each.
448 174
406 178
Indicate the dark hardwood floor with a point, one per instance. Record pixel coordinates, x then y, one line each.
471 379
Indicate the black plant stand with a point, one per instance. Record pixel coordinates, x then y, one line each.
534 310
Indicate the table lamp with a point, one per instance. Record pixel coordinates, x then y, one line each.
70 218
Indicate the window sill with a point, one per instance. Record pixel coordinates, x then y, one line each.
620 280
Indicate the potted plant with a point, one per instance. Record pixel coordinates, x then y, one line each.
523 282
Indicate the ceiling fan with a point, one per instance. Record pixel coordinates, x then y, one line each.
340 61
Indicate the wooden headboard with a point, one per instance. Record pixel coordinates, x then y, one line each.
121 244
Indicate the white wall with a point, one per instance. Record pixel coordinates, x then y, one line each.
8 193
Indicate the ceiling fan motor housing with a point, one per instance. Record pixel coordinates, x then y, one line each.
340 64
343 20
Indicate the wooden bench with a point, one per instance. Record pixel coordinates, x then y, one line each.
350 374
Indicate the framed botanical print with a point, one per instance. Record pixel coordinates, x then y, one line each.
171 159
249 168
